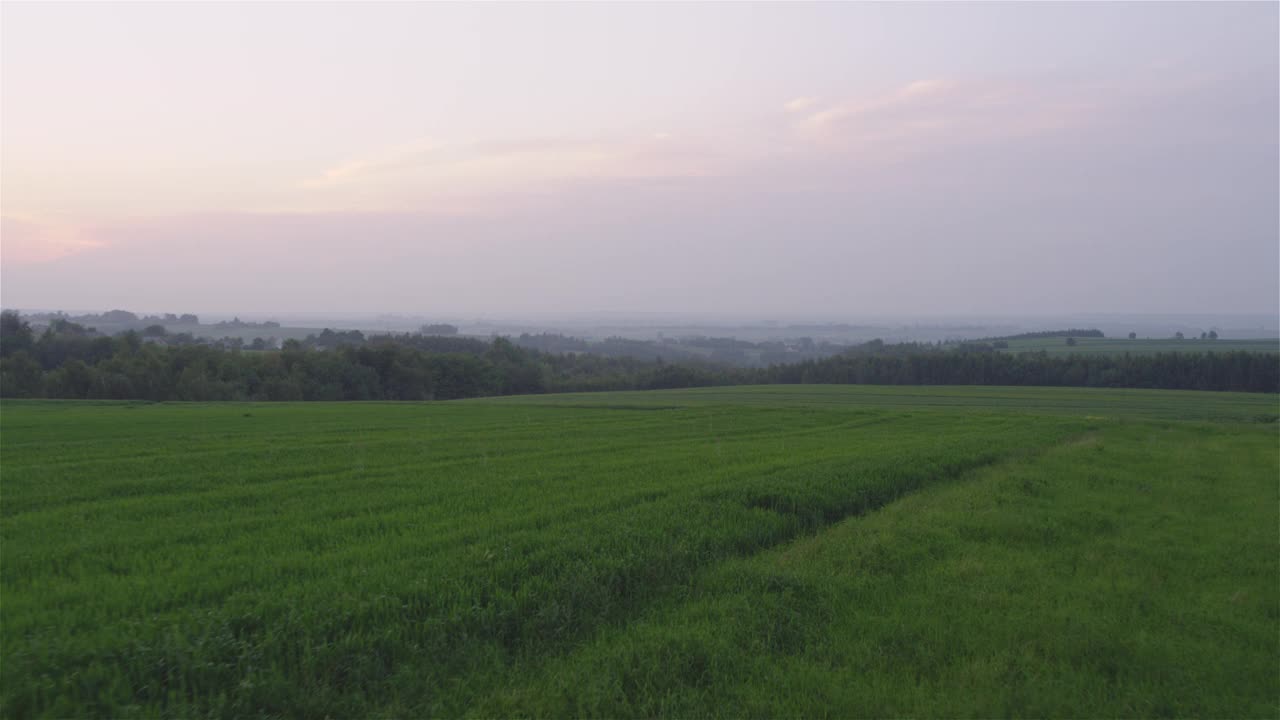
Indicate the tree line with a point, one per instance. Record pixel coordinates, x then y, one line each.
1238 371
718 350
66 362
1044 334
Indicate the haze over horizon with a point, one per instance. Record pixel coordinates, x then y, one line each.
855 159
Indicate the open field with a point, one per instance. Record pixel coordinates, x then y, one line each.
775 550
1119 346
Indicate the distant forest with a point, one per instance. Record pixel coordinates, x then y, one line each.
1073 332
67 361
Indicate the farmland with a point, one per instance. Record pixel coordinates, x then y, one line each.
771 550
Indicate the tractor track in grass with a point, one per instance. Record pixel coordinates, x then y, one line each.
318 563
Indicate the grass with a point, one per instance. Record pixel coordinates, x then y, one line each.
1141 346
846 551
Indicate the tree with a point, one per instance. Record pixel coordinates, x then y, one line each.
153 331
130 341
1204 336
15 333
20 376
66 327
1071 341
439 329
1133 336
1213 334
1178 335
119 316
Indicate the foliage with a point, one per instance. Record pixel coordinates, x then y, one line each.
1145 346
117 317
67 361
695 349
1237 371
1043 334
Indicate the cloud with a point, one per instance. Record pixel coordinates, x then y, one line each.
412 174
948 111
800 104
952 114
28 241
400 157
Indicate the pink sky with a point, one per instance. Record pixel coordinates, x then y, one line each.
703 158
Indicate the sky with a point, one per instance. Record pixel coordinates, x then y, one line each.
784 159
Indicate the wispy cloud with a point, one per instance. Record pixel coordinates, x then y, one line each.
956 112
950 112
400 157
30 240
800 104
423 169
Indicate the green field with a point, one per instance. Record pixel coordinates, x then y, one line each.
843 551
1119 346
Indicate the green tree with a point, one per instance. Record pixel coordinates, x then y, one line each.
439 329
20 376
15 333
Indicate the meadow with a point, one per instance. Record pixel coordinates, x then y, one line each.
845 551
